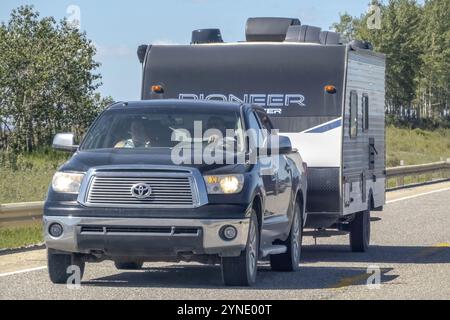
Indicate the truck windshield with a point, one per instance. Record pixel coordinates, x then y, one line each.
146 128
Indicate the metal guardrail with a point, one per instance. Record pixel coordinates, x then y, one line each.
16 213
403 176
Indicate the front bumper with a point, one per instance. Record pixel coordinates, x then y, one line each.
143 237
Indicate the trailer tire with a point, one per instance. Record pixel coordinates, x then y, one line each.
289 261
360 232
129 265
242 270
58 265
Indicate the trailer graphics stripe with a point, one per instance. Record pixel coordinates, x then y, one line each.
326 126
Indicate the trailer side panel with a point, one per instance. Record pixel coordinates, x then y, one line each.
363 170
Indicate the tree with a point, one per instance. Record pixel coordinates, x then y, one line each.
347 27
433 90
47 79
398 39
416 41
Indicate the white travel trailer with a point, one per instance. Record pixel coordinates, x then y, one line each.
326 96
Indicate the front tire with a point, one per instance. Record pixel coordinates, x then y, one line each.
290 260
58 265
360 232
241 271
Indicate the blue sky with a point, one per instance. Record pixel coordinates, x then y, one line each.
118 27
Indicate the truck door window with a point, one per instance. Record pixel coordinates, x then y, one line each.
256 134
365 110
265 121
353 114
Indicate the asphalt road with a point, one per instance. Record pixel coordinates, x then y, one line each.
410 248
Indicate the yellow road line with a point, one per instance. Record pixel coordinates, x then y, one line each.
433 249
350 281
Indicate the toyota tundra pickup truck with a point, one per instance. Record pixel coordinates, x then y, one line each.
170 180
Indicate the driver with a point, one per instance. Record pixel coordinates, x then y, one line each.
216 123
139 137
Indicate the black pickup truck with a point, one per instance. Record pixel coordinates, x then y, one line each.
170 180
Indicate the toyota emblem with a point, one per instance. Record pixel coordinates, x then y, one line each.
141 191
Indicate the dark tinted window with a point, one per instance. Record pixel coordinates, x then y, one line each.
265 121
254 131
365 110
160 128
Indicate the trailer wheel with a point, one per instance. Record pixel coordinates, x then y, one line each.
242 270
58 266
135 265
360 232
290 260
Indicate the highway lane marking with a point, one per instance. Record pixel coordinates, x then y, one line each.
417 195
21 271
349 281
360 278
443 245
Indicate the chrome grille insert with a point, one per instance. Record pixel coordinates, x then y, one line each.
167 190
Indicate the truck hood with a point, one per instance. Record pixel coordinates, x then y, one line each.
82 161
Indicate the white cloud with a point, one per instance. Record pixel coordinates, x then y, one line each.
113 51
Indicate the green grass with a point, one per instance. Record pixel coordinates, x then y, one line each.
416 146
18 237
26 177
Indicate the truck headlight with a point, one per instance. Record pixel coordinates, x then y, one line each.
66 182
224 184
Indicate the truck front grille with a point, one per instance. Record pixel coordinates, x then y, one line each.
194 231
166 192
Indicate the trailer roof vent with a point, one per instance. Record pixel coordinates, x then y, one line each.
206 36
268 29
358 44
303 33
329 37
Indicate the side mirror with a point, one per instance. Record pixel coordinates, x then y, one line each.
64 142
278 145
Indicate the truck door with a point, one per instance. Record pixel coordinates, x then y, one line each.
282 170
269 177
281 175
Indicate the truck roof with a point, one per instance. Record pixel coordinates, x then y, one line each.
174 103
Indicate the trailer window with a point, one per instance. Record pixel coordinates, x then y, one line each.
353 114
365 110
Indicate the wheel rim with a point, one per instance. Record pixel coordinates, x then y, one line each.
252 250
296 239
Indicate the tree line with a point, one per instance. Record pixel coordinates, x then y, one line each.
416 40
48 80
